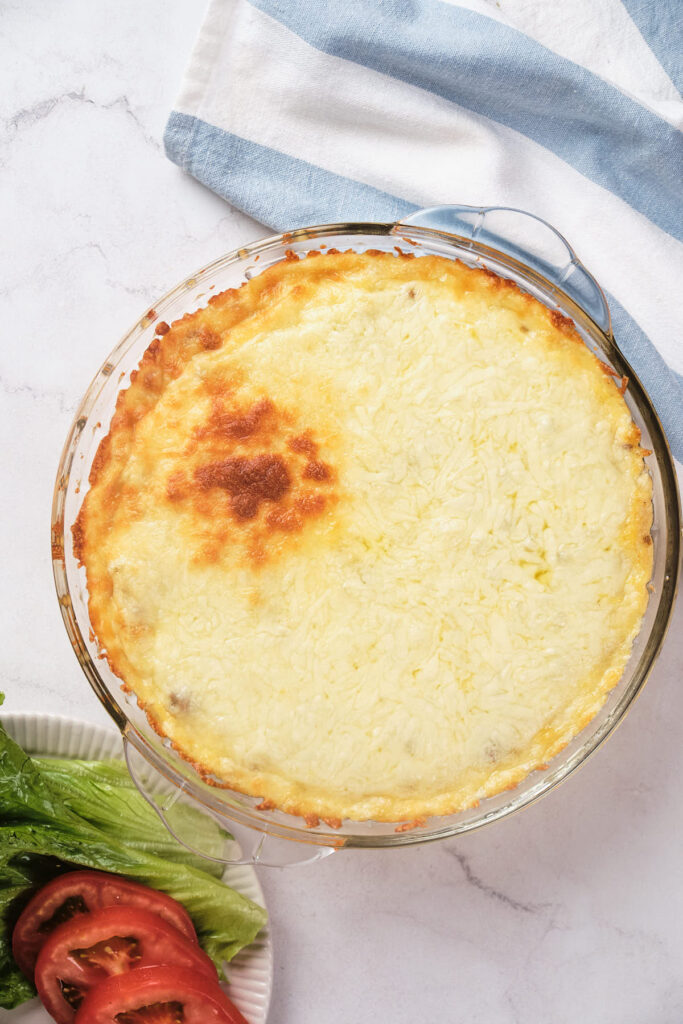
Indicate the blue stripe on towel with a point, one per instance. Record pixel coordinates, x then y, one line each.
660 22
273 188
498 72
311 195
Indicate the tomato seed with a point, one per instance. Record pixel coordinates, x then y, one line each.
155 1013
116 954
71 993
70 908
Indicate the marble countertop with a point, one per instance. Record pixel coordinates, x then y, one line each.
568 911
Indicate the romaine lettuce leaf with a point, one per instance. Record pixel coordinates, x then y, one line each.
57 815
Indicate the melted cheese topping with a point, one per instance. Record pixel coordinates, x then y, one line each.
369 537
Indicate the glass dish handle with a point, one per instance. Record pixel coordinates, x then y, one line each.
247 846
528 239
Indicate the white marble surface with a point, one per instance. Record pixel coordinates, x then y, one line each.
571 910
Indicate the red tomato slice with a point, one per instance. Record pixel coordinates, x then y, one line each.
89 948
79 892
158 995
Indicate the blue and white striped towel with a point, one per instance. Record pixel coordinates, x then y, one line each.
309 111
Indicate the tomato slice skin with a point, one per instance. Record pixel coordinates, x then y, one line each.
133 998
79 892
81 953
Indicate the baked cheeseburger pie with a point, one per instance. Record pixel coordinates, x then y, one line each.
368 536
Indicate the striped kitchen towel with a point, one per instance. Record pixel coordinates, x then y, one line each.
309 111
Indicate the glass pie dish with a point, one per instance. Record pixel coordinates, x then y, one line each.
511 244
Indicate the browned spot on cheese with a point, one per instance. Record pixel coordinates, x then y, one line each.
249 477
175 486
249 480
243 424
316 470
178 702
209 339
150 378
291 518
562 323
310 504
303 444
286 519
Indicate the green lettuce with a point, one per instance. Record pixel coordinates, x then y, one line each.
56 815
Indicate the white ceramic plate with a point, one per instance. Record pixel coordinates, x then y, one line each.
251 972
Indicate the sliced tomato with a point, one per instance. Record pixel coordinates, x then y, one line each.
80 892
158 995
89 948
